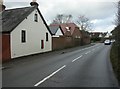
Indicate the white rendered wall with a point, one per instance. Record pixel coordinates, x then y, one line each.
35 32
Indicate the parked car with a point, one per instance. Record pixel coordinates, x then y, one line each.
107 42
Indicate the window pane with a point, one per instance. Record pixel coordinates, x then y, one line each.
23 36
36 18
42 44
46 36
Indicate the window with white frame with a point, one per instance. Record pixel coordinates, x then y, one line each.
23 36
36 17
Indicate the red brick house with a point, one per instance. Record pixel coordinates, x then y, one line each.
69 29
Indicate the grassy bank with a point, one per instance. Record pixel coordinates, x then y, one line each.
115 59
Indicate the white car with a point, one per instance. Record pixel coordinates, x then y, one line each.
107 42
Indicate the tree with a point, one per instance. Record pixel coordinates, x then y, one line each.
117 29
117 21
61 18
84 23
115 50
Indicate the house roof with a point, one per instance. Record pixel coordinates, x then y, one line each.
11 18
66 26
54 29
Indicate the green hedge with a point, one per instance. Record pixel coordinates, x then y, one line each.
115 59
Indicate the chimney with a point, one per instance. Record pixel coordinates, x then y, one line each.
34 3
2 7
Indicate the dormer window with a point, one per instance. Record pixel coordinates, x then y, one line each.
68 28
36 18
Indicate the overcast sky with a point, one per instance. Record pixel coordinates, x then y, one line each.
101 13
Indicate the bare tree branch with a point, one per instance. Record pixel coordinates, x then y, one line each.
84 23
61 18
117 20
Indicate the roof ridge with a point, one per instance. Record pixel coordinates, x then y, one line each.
19 8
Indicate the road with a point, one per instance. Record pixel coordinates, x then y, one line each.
83 67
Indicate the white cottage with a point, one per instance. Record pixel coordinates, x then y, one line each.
25 32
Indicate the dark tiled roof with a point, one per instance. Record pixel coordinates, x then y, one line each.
12 17
54 29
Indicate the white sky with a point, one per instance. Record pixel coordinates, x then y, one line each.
101 12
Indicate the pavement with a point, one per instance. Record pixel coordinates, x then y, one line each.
86 66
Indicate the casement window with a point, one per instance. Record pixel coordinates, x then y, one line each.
23 36
36 17
42 44
46 36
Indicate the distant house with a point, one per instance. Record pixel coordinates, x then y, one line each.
56 31
108 35
97 36
24 32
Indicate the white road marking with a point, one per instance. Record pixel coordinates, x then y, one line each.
89 47
83 49
77 58
98 47
87 52
50 76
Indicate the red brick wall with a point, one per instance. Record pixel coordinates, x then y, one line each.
77 41
77 32
64 42
86 40
5 50
61 42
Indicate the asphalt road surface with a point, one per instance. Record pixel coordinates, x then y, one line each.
82 67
